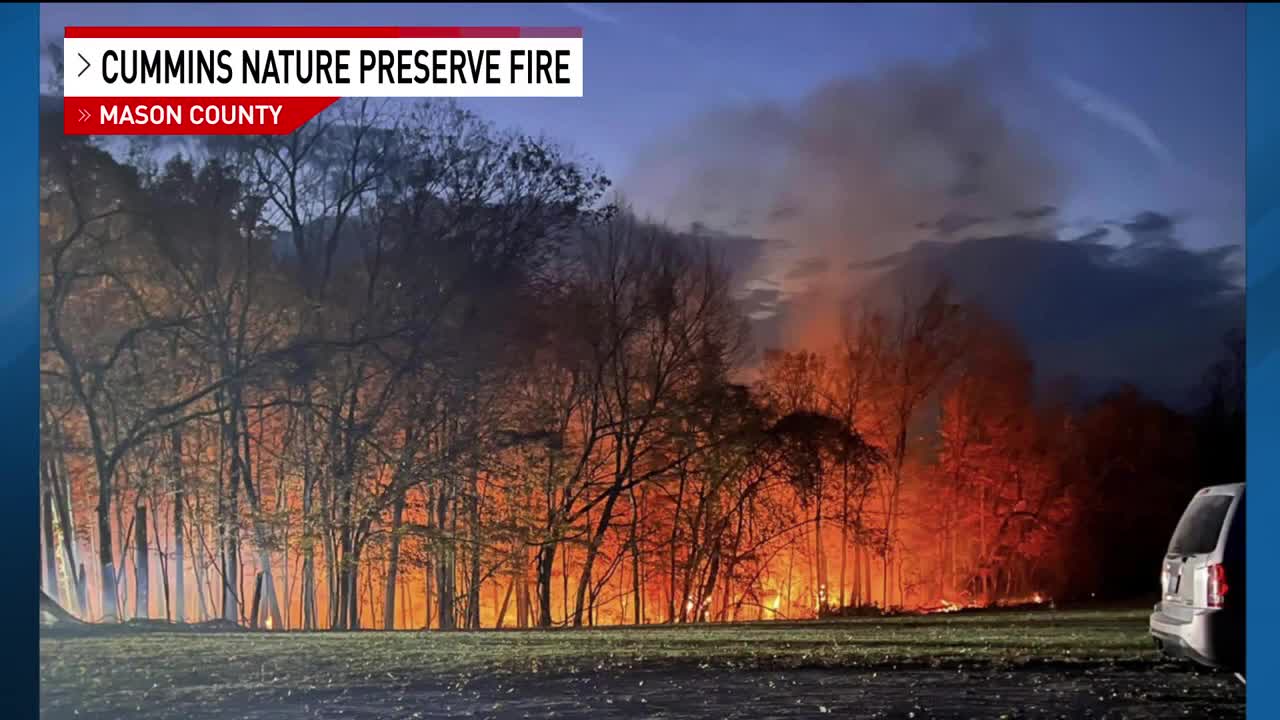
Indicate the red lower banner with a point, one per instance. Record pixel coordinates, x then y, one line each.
189 115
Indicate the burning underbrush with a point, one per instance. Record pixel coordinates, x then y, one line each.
943 606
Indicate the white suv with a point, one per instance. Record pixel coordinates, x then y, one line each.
1201 613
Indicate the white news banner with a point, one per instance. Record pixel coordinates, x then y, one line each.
323 67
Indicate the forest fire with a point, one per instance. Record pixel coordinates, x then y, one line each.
611 469
1030 602
868 383
944 607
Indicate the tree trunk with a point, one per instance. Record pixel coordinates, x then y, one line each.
593 549
308 524
820 557
952 578
110 613
353 589
64 532
50 578
564 580
445 564
179 532
393 564
255 507
855 595
308 587
82 589
333 585
791 561
199 565
310 611
520 571
546 565
866 576
506 600
704 594
983 563
199 570
255 612
406 606
142 594
230 577
126 542
844 561
891 522
426 596
161 554
636 585
473 590
269 591
229 524
674 546
844 528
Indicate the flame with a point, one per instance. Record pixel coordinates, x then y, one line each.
946 606
267 624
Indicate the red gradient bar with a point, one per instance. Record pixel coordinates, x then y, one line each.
161 32
84 115
299 31
495 32
551 32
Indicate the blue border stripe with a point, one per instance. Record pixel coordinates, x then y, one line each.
19 354
1263 321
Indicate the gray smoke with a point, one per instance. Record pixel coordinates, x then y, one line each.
874 183
861 168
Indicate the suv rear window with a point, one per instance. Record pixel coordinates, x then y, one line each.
1201 525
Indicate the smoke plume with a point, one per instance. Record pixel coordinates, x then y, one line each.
861 168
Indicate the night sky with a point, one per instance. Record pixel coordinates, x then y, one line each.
1109 111
1165 125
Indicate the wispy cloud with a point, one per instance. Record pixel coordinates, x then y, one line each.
592 12
1116 114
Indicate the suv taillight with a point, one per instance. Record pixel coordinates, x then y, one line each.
1216 588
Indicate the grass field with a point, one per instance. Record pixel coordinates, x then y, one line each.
155 673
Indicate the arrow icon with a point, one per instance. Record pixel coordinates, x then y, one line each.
84 115
86 65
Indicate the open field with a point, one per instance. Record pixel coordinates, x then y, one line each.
1085 663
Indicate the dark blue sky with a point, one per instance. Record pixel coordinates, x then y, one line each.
1153 118
841 134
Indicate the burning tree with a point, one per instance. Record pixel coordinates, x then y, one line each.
400 365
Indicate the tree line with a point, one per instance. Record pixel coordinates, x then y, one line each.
401 369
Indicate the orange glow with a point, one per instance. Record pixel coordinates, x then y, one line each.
946 534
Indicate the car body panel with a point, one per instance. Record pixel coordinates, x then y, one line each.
1211 532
